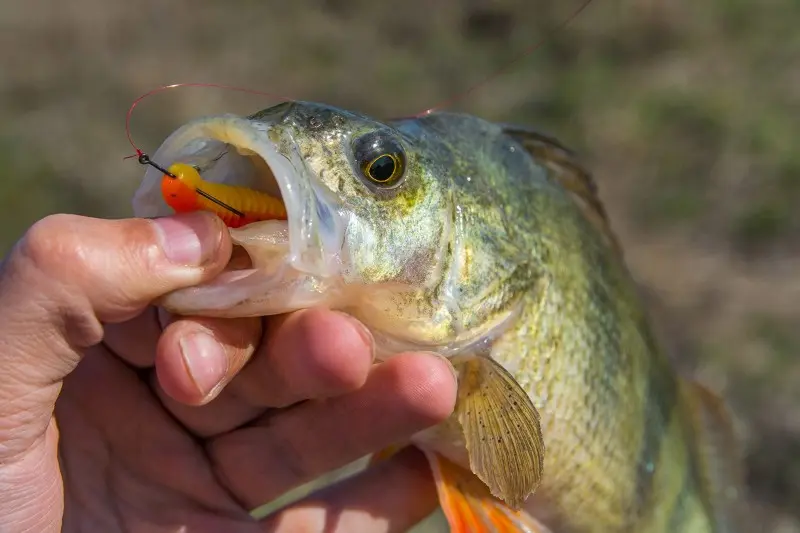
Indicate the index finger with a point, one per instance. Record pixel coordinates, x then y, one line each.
70 274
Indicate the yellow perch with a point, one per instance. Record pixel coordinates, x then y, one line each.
486 243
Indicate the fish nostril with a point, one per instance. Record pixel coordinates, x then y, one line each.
275 113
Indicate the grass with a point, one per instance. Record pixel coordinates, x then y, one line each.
687 111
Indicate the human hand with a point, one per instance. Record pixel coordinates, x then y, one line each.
145 437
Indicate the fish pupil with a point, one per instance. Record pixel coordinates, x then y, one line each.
382 168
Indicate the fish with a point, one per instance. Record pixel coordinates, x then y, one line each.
487 243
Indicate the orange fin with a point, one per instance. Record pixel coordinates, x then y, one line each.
721 460
469 506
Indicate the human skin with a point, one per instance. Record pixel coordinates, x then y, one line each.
115 417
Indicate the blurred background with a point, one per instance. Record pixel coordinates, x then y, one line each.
686 111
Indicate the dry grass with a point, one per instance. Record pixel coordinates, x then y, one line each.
686 110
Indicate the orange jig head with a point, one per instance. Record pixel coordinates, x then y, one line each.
186 191
180 192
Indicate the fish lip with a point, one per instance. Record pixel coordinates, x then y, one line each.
314 221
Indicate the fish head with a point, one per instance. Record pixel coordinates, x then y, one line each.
368 218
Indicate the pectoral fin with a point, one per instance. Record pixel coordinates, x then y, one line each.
501 428
468 505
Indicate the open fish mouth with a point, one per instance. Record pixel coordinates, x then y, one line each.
277 265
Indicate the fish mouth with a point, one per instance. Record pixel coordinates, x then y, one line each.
276 265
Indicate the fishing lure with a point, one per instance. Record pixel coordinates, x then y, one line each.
185 191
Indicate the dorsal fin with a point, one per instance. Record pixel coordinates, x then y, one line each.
567 171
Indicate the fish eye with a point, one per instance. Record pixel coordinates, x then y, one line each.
383 168
380 158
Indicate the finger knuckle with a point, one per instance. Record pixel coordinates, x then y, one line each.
50 244
294 464
49 263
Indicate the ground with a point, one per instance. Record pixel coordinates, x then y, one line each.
684 111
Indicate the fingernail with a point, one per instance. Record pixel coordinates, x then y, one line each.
446 361
363 332
205 361
190 239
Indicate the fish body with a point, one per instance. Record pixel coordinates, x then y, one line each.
488 244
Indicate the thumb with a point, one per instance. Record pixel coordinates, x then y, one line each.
66 276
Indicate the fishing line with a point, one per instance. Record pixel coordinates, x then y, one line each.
144 159
525 53
140 153
498 72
